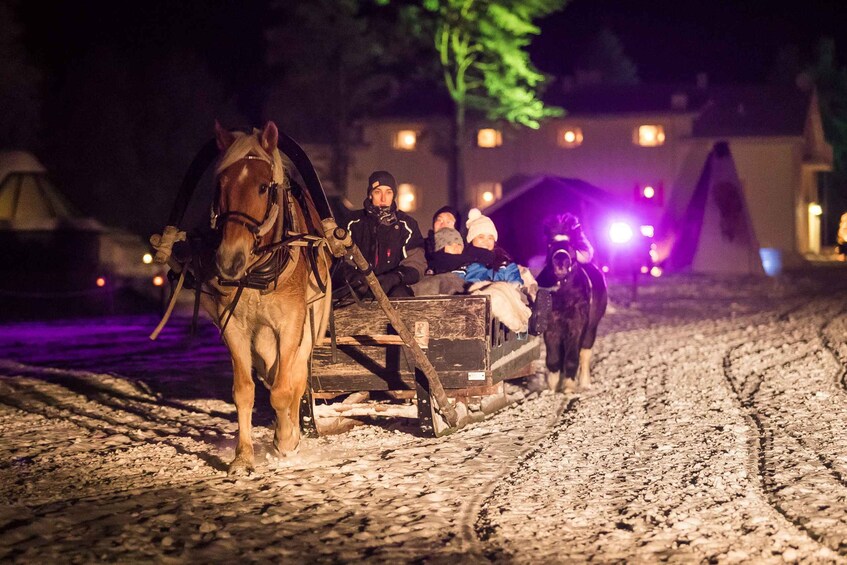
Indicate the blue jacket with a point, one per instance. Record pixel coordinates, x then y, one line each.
475 272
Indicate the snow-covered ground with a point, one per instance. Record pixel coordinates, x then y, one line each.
716 431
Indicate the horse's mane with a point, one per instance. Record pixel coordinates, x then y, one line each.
246 144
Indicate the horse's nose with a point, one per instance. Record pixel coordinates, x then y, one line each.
230 269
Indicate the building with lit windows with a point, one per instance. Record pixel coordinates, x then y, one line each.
645 143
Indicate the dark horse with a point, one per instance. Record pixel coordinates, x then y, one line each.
579 299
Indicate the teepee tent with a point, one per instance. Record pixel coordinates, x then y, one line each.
714 232
30 202
46 244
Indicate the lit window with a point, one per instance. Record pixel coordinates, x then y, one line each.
406 140
652 193
487 193
407 197
649 136
569 137
489 137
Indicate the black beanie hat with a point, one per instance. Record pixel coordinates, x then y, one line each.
450 210
381 178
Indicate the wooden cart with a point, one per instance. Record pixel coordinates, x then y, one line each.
472 351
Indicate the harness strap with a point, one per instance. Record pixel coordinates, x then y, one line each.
231 308
171 304
333 344
196 313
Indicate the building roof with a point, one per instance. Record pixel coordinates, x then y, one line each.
719 111
737 110
753 111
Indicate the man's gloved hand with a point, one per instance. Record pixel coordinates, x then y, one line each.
359 283
388 281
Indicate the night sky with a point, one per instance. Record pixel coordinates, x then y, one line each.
669 40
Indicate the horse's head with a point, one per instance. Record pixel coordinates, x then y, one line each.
561 252
245 208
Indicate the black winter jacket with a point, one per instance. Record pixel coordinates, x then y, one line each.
398 248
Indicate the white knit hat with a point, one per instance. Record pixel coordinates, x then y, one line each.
478 224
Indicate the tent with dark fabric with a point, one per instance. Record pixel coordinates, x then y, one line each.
521 214
713 233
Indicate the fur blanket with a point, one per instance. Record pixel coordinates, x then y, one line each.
507 303
444 283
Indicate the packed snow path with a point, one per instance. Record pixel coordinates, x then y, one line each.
716 431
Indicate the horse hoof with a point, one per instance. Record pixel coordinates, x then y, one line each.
584 384
568 386
286 452
240 466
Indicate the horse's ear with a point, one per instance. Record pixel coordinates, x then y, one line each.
223 136
269 137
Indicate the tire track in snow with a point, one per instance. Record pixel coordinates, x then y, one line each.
791 472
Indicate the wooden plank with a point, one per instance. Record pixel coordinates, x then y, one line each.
448 316
369 381
362 340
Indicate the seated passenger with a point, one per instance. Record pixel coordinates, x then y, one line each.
447 253
486 261
388 238
444 217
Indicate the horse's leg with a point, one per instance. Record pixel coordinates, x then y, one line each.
570 361
584 369
287 436
290 383
553 351
243 392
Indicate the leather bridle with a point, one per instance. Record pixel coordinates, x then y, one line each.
563 247
257 228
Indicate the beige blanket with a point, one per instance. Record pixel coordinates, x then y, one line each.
507 303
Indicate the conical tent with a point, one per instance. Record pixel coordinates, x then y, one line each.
28 200
714 233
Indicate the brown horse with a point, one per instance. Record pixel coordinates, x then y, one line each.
267 231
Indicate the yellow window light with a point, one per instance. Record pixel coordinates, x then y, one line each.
407 197
488 193
489 137
570 137
406 140
649 135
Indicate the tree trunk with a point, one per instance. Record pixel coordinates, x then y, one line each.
456 162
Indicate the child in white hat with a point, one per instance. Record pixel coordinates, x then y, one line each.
488 261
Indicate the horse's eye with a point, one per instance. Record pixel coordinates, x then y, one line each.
263 188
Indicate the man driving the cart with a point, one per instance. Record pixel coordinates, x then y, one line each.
389 239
